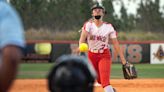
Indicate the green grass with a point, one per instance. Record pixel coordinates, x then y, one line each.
34 70
134 35
138 35
44 34
144 71
41 70
151 71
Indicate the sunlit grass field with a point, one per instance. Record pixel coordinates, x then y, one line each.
41 70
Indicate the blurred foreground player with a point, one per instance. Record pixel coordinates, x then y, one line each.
11 42
71 74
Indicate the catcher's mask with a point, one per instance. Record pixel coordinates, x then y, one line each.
98 6
71 74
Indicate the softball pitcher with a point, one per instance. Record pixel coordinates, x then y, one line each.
97 33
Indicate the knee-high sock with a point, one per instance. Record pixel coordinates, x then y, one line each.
108 88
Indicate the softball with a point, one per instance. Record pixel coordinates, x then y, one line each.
43 48
83 47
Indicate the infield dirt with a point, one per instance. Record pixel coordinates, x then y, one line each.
121 85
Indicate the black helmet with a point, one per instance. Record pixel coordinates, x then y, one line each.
71 74
97 5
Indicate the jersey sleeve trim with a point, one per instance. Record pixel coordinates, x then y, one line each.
86 26
113 33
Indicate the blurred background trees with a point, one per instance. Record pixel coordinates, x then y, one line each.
149 17
66 15
60 15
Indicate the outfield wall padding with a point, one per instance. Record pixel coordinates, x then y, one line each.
134 52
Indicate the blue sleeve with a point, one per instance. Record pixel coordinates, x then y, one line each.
11 28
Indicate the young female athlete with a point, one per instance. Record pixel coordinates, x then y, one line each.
97 34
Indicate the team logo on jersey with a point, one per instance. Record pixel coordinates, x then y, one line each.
159 54
98 38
